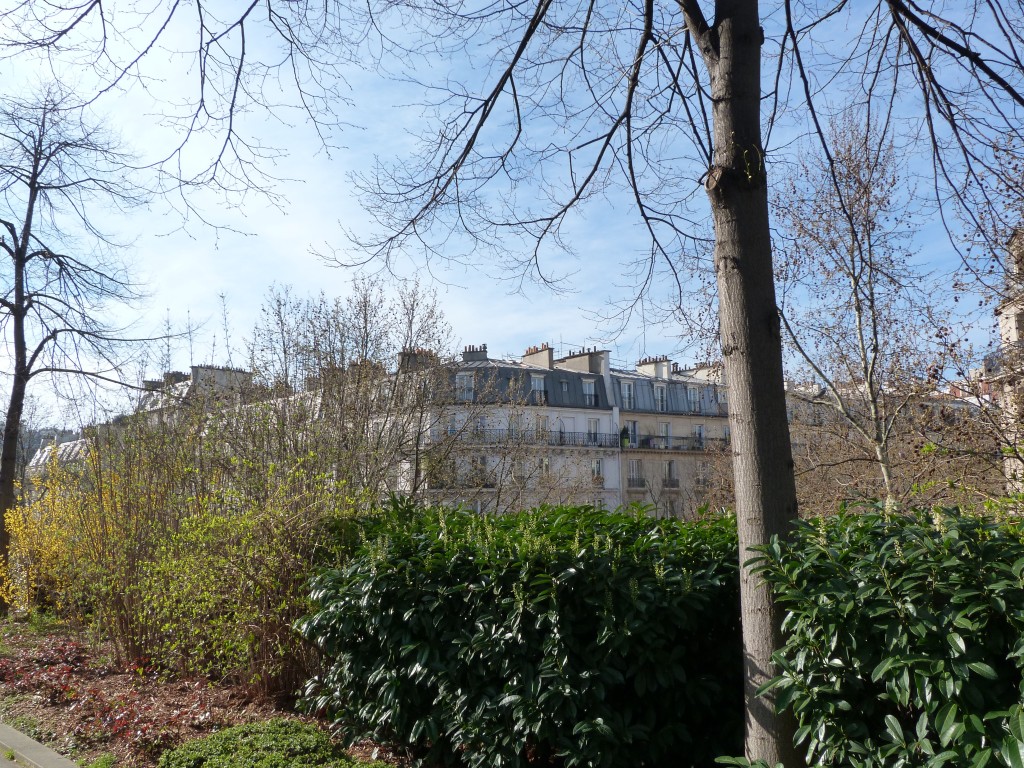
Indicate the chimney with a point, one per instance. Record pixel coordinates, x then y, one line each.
416 359
473 354
542 356
589 360
658 367
175 377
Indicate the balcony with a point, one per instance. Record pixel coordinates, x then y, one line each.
519 436
692 443
597 481
636 482
670 482
477 479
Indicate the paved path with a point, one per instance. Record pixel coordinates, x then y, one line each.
28 753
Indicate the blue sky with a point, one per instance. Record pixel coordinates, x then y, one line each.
186 271
185 268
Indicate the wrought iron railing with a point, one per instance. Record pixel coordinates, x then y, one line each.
692 443
472 436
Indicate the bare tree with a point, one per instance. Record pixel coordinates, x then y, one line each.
860 315
353 381
569 100
60 273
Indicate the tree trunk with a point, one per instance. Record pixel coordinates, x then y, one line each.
752 352
9 458
9 447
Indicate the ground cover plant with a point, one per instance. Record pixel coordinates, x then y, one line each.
568 634
272 744
904 638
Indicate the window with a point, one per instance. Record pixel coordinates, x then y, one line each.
464 387
665 433
593 427
670 470
698 435
692 398
513 427
543 425
660 398
723 395
565 385
703 473
628 399
635 477
589 394
727 434
598 503
537 388
597 468
544 466
633 428
481 474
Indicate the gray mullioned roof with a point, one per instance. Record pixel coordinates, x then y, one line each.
507 374
677 395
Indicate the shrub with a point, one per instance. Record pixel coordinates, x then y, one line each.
600 638
273 744
188 544
904 638
37 570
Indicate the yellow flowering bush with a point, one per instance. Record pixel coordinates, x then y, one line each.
38 569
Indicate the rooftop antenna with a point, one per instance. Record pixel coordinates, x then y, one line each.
224 324
165 362
188 318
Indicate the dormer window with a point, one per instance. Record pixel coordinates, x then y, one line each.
464 387
537 389
628 397
589 393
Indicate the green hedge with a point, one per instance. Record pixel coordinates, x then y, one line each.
597 638
905 637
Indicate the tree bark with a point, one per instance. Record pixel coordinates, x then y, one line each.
15 406
751 349
17 308
9 464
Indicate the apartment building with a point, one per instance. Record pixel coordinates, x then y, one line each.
495 434
674 427
573 429
1003 369
519 433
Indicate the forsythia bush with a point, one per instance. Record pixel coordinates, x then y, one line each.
598 638
225 589
38 568
189 554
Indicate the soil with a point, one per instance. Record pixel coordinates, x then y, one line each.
59 687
